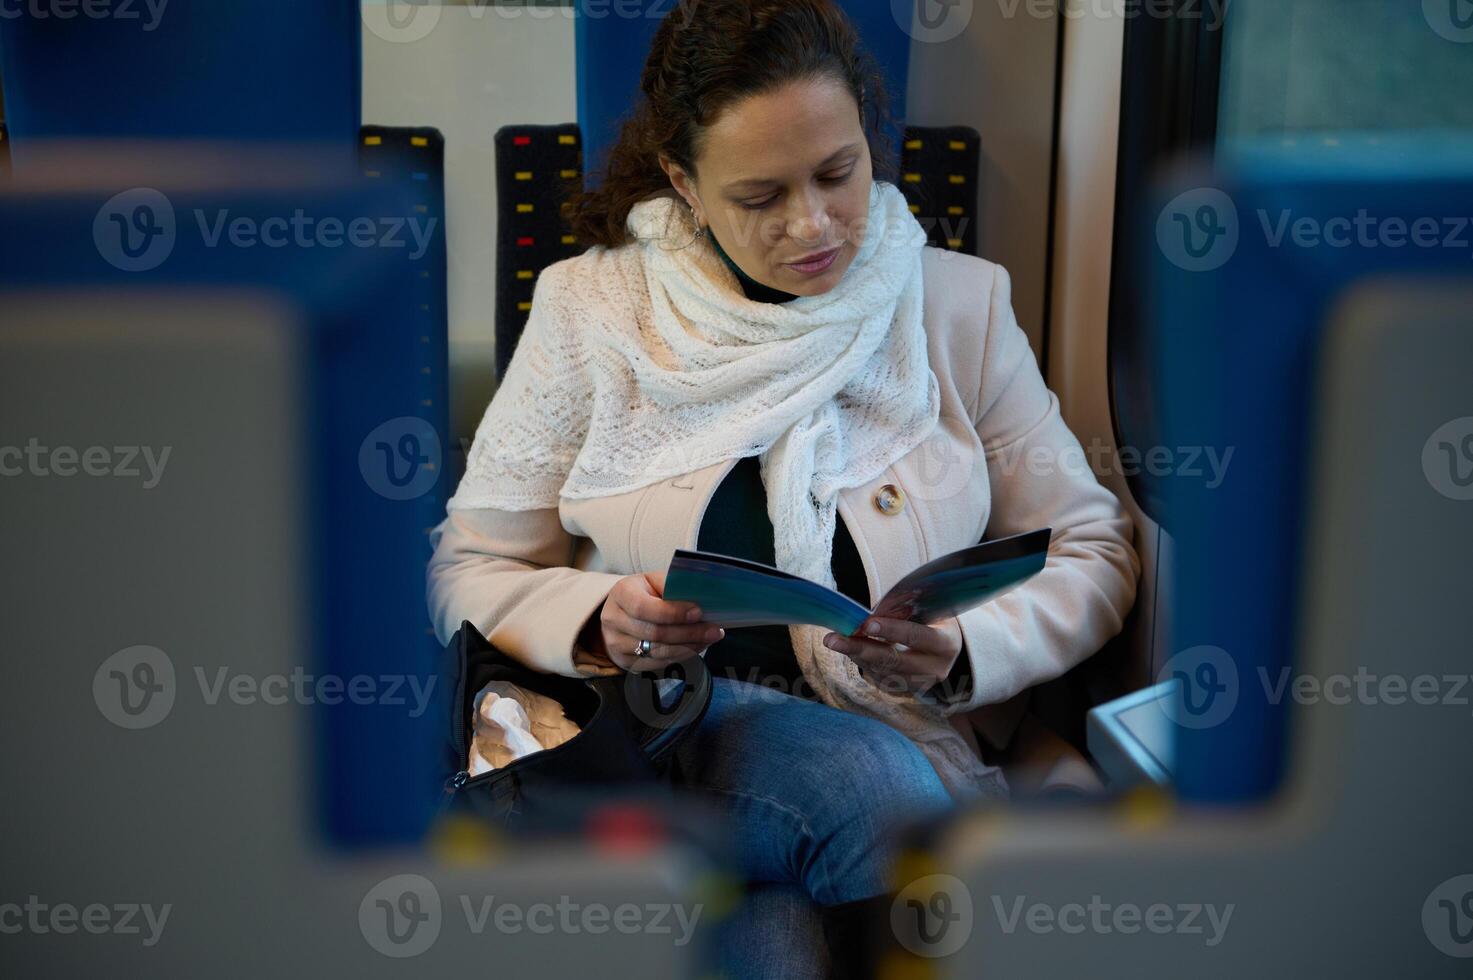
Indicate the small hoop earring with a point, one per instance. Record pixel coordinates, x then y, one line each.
697 236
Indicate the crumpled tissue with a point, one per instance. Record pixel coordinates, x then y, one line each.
512 722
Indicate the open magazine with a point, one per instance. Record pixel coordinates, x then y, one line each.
733 592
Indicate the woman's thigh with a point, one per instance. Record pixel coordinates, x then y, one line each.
812 794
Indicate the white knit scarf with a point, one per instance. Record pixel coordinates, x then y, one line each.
827 390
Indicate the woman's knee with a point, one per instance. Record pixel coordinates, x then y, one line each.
869 783
822 791
883 770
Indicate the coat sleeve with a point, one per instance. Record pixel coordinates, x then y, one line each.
502 558
510 574
1040 477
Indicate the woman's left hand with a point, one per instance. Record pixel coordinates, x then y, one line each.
899 653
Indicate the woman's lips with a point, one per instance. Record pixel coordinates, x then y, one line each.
816 266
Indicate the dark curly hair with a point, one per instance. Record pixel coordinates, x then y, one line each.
710 54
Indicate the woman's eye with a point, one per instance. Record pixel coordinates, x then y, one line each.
830 179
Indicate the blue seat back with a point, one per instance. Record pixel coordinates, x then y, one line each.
1239 306
612 51
267 70
374 420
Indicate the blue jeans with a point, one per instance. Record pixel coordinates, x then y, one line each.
811 796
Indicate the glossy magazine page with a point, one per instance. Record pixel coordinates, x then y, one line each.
734 592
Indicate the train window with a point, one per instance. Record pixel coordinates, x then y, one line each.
1294 68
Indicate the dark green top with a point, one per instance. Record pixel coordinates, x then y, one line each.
736 524
755 290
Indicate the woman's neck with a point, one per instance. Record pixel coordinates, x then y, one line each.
753 289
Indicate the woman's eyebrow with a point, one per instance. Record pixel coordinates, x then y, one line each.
756 182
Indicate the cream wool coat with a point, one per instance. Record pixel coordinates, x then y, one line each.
1000 461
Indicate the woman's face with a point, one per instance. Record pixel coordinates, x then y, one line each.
785 177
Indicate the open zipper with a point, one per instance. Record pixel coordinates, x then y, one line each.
463 779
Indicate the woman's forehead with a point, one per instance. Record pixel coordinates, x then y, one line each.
769 136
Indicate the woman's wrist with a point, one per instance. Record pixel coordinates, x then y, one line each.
957 683
591 636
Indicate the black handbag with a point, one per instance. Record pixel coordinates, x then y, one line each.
627 726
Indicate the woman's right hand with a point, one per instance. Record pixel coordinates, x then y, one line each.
634 611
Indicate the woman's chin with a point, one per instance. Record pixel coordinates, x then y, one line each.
810 288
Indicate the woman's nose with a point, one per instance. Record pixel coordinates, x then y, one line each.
809 225
809 230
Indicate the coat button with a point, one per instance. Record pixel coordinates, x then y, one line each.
890 499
